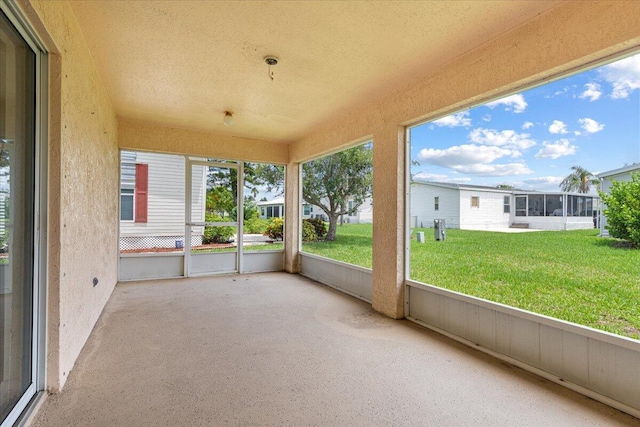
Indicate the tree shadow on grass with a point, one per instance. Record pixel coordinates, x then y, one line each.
613 243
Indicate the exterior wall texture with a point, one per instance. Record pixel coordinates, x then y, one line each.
84 179
145 137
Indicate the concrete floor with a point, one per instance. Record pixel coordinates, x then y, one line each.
278 349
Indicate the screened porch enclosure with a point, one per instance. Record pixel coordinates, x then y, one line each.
556 211
182 216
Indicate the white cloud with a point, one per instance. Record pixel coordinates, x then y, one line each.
460 180
592 92
515 103
506 138
558 126
486 117
542 183
454 120
590 125
527 125
496 170
544 180
435 177
474 159
463 155
554 150
623 75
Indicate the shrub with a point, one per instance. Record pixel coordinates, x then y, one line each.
215 234
319 225
308 231
275 228
623 210
255 226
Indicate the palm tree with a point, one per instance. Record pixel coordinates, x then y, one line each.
579 181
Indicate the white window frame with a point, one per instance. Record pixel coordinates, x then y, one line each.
35 391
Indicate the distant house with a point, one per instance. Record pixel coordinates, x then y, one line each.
606 180
473 207
275 209
271 208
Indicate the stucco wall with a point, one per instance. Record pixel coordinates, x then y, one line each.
146 137
83 216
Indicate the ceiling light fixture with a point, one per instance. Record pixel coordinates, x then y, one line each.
228 118
271 61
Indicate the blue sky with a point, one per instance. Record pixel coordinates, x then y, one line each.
531 139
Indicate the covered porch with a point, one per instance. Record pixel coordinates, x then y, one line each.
276 348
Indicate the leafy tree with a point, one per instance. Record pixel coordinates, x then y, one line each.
623 209
579 181
257 176
222 186
220 201
505 187
332 181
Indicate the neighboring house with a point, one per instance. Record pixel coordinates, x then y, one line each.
606 180
272 208
152 204
473 207
275 209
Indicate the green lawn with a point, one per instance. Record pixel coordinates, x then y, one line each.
571 275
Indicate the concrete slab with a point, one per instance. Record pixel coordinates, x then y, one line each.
278 349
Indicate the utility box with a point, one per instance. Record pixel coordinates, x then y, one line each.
439 229
420 236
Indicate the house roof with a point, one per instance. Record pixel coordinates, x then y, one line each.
276 201
624 169
465 186
182 64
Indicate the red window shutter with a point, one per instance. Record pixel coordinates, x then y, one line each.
141 192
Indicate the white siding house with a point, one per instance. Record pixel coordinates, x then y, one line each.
271 208
431 201
472 207
606 180
275 208
484 209
163 222
461 206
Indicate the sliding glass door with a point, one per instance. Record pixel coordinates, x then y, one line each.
18 65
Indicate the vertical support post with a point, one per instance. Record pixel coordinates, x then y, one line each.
240 216
187 216
388 221
292 207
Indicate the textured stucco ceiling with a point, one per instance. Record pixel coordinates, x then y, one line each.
183 63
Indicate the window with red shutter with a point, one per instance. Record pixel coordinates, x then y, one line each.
141 192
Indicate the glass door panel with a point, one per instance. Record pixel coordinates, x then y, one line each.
521 205
17 188
212 225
